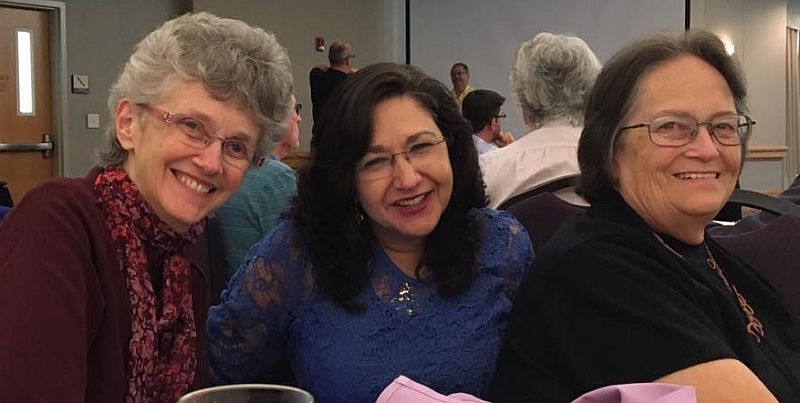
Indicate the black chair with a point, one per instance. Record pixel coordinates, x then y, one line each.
5 196
548 187
542 215
768 241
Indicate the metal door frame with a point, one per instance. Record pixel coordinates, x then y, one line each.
58 74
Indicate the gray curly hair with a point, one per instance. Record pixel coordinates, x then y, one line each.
551 77
234 61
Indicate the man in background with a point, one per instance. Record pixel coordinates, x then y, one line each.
323 80
482 109
459 75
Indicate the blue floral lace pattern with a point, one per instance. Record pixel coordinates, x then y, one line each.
272 308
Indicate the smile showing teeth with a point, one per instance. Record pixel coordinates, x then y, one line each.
697 175
411 202
193 184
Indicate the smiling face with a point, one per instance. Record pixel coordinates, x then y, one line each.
181 183
460 77
678 190
405 205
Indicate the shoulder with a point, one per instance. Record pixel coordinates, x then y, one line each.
273 176
272 170
284 238
58 196
504 238
602 252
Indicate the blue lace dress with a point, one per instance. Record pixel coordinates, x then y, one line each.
272 307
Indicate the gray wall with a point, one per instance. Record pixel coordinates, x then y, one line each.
375 29
758 31
100 35
485 35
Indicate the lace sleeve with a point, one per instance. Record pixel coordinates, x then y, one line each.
247 331
508 248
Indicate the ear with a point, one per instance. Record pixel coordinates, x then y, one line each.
494 123
125 124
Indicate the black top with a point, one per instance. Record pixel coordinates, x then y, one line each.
322 86
605 303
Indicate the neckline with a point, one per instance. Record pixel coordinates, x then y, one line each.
392 268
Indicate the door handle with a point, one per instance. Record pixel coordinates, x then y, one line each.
46 147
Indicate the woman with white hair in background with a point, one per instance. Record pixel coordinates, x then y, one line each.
551 78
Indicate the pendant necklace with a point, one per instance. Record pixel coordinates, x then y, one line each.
754 326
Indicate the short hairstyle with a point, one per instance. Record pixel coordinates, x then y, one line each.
551 77
339 247
234 61
339 52
480 106
615 93
459 64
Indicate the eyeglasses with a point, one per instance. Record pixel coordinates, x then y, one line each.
235 153
379 165
501 116
676 131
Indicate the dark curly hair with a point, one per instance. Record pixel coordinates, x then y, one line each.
339 248
615 90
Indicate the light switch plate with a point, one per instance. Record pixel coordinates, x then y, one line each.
80 83
92 120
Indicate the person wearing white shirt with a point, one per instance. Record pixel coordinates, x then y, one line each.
482 109
551 77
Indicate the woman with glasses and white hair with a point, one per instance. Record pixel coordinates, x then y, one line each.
633 290
388 263
99 298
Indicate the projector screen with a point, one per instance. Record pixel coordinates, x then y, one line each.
485 34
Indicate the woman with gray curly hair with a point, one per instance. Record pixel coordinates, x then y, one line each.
551 77
112 309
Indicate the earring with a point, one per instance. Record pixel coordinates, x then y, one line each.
359 215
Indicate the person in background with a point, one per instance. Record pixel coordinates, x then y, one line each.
288 140
388 263
551 78
323 80
265 194
99 298
632 290
482 109
459 75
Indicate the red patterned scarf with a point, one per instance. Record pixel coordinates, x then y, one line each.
161 360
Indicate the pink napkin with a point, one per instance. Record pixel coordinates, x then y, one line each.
404 390
640 393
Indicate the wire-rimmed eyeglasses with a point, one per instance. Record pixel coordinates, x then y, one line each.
674 131
379 165
235 152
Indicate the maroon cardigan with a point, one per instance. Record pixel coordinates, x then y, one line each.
64 311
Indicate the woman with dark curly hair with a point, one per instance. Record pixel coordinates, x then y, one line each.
389 264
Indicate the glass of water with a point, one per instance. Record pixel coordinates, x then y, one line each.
248 393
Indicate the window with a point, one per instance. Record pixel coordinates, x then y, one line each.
24 73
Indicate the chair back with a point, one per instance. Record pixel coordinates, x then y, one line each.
5 196
768 241
548 187
541 215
